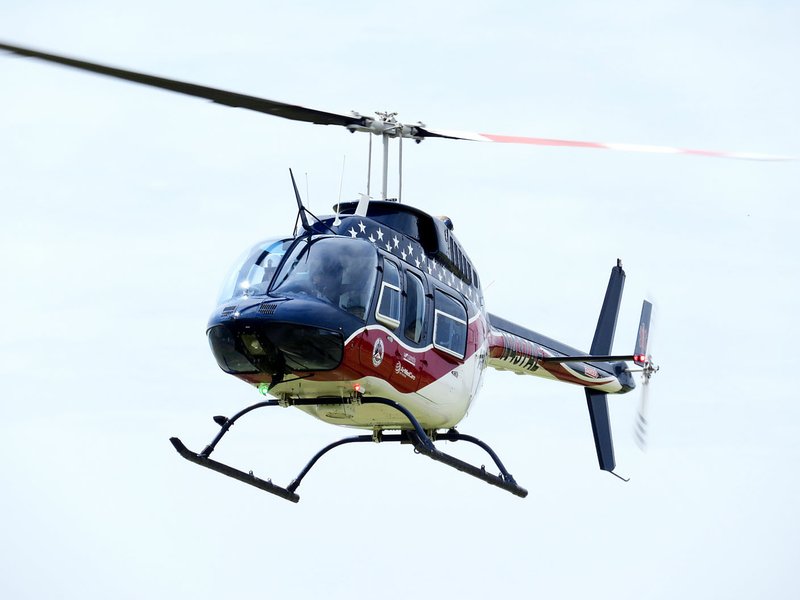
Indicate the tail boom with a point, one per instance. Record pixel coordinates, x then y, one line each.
525 352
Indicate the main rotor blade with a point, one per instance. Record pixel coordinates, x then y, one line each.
515 139
262 105
355 122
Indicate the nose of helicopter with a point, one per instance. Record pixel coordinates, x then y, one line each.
275 337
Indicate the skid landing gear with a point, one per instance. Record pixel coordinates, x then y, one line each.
422 442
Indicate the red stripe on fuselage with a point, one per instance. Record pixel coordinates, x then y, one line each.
406 368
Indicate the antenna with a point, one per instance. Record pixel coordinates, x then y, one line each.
301 209
308 194
336 221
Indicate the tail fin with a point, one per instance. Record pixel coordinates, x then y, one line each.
640 352
601 344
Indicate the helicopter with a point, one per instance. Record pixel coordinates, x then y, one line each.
373 317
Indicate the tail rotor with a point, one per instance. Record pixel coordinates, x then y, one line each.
640 426
648 368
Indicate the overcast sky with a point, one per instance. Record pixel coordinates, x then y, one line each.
123 208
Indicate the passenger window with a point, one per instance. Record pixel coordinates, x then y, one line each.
388 311
415 308
450 325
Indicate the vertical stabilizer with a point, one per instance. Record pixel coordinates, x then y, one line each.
601 344
607 323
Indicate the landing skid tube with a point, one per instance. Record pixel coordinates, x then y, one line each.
422 442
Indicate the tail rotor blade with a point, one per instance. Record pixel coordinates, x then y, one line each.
640 425
644 359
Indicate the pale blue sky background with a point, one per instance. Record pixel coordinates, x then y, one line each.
123 207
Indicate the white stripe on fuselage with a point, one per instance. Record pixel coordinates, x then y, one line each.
441 404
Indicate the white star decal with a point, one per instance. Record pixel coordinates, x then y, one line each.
388 246
380 234
416 261
440 276
362 227
353 232
429 270
396 241
410 250
371 238
403 254
423 259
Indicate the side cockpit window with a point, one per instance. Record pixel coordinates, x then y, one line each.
388 310
415 308
450 325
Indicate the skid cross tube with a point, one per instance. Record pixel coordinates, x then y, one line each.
422 442
351 440
227 423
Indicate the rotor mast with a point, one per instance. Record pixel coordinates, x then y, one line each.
386 125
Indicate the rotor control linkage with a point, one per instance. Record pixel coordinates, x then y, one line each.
422 442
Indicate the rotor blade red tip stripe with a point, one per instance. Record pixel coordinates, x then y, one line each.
704 153
740 155
514 139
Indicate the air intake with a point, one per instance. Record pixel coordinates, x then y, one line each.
267 308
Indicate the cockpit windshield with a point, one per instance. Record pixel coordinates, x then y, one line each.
339 271
252 273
